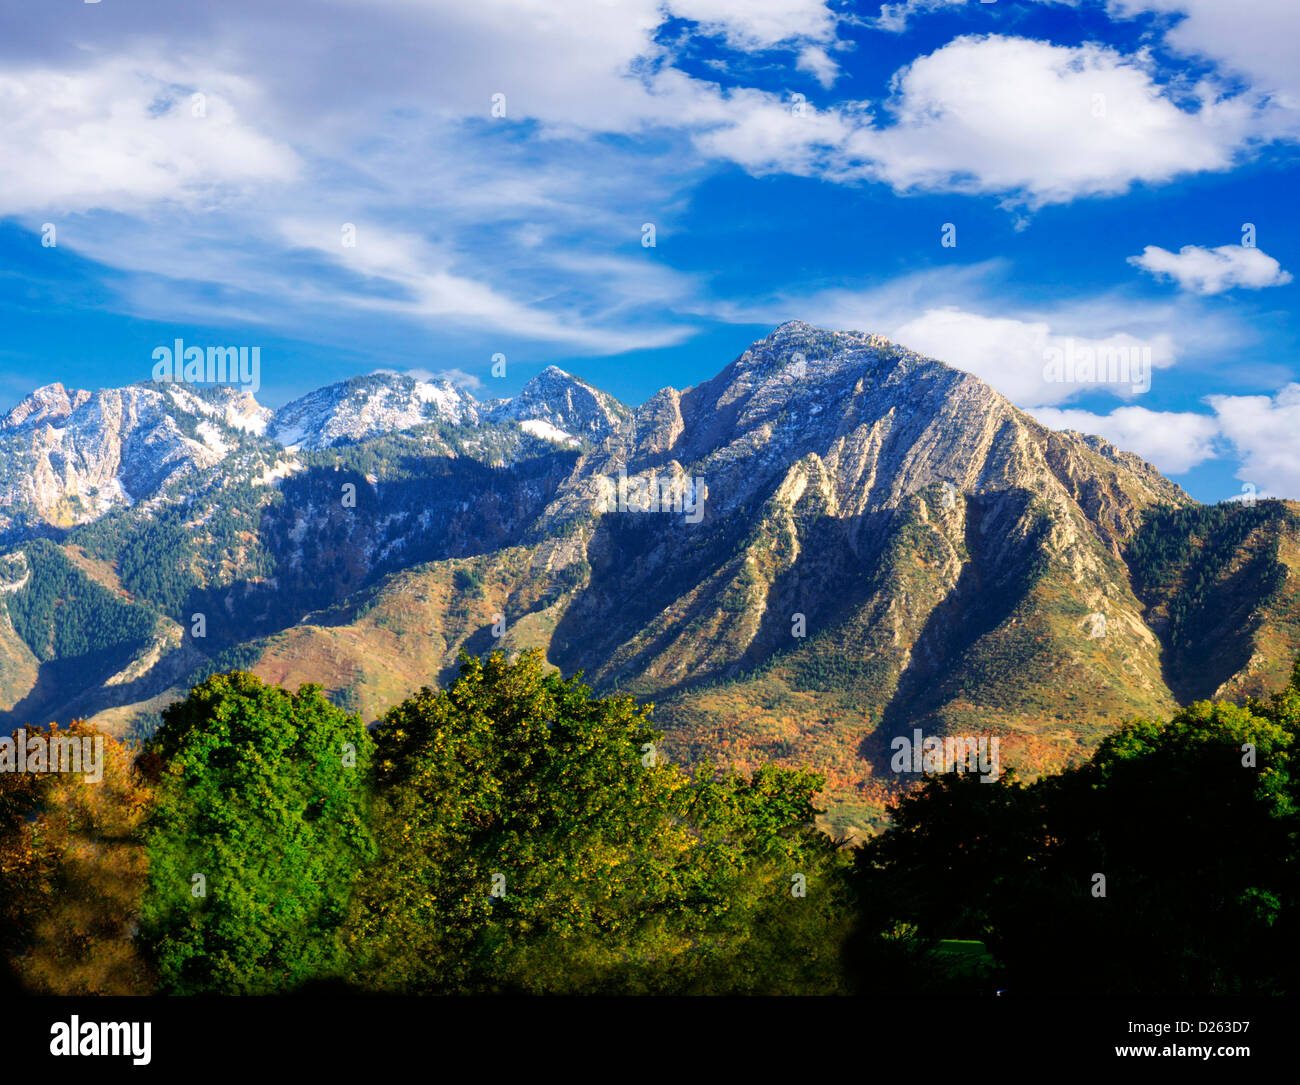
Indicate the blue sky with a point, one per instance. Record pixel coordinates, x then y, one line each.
1095 161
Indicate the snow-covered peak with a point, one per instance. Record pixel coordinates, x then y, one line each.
369 406
570 405
50 402
68 458
233 406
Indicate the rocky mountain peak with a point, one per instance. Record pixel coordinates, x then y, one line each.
791 327
235 407
70 457
565 403
46 403
369 406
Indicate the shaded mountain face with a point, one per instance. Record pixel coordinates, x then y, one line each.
833 542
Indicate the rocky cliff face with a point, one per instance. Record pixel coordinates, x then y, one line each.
70 457
832 542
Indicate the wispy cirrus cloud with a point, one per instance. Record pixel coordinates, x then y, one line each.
418 280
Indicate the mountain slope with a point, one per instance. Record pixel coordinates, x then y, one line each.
832 542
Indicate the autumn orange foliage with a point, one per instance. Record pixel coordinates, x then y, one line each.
71 875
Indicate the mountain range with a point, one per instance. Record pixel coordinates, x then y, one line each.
832 542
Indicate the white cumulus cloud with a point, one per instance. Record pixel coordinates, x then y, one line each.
1048 123
1265 432
1175 441
1032 362
1212 271
114 136
755 24
1252 38
1258 431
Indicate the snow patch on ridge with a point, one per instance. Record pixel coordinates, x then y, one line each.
547 432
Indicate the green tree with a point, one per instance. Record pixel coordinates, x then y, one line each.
1192 823
258 832
532 840
157 563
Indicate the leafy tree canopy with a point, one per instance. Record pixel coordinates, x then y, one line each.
258 832
1165 864
532 839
